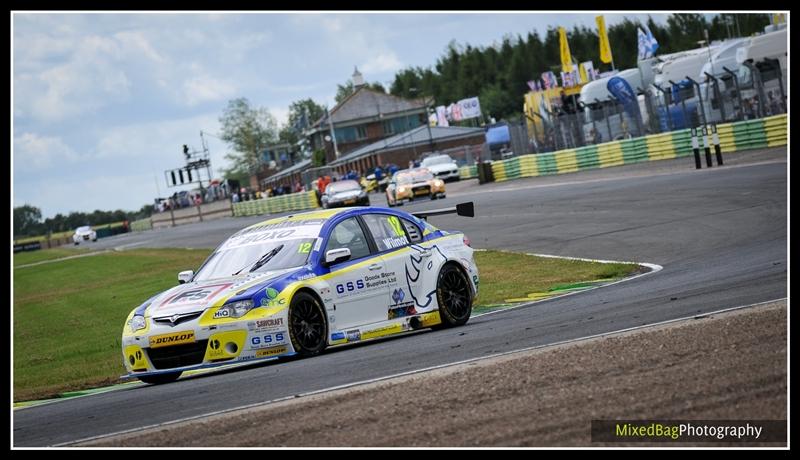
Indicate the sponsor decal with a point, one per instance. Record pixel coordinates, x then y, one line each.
307 276
382 331
354 335
271 352
176 338
224 313
271 322
400 308
337 336
268 340
269 299
195 296
367 283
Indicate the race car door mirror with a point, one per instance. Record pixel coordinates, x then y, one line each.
185 276
334 256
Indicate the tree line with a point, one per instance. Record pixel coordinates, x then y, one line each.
28 219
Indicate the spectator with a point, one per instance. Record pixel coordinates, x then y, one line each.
378 173
235 197
197 200
298 187
392 169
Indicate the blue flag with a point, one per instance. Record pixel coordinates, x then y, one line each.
621 89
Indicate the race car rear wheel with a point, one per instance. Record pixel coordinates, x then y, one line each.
454 296
307 326
159 379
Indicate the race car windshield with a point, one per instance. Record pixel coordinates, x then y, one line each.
422 176
403 179
251 258
343 186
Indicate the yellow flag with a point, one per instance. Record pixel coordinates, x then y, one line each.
605 47
582 72
566 58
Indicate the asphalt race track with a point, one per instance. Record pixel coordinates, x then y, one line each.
720 235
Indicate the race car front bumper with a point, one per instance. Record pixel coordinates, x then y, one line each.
188 346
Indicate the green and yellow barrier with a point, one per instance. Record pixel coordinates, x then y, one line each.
276 204
733 137
468 172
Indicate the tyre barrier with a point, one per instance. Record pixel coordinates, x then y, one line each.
468 172
733 137
282 203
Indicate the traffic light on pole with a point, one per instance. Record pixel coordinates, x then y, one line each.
186 151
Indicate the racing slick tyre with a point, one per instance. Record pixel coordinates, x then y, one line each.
159 379
454 296
308 330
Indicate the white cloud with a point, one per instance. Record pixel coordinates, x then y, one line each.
204 88
383 62
33 152
135 42
90 78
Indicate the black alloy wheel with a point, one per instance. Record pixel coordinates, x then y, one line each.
307 325
454 296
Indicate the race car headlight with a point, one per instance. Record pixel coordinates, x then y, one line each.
137 322
234 309
437 183
401 189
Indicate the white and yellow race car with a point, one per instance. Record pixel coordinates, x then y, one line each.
300 283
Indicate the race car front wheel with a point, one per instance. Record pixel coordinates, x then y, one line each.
307 327
159 379
454 296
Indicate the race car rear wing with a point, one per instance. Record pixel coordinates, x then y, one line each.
462 209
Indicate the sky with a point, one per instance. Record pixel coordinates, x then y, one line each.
103 103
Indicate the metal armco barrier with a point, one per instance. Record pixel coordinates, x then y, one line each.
733 137
282 203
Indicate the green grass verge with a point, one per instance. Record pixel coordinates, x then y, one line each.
506 275
68 315
30 257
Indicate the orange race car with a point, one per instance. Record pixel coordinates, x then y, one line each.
411 184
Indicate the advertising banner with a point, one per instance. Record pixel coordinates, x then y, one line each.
470 108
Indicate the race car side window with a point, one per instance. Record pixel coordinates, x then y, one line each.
348 234
414 233
387 231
